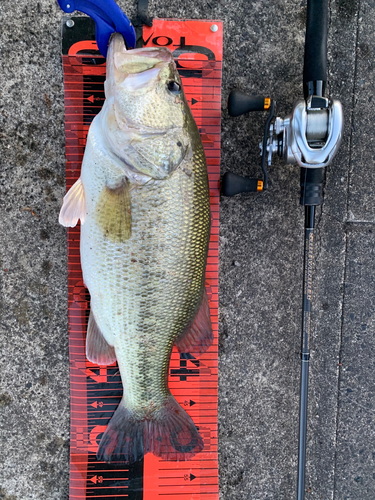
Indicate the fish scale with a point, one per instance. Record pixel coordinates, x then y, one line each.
169 235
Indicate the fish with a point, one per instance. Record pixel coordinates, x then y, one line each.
143 204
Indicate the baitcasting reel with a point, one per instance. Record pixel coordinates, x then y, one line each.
309 137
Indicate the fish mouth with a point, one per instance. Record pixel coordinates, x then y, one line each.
125 62
117 44
138 70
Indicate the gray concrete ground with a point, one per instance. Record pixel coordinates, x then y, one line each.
261 240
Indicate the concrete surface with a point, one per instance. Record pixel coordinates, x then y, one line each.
261 250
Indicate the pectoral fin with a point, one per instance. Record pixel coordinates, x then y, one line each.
74 205
198 336
98 350
113 213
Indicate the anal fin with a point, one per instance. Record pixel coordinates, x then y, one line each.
74 205
98 350
198 336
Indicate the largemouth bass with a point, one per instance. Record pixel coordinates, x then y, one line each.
143 202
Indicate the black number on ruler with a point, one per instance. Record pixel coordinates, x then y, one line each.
189 403
191 49
114 480
184 371
182 48
195 49
188 477
104 394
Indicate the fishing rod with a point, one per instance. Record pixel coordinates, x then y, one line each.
308 137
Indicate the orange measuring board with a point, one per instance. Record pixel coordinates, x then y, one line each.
96 391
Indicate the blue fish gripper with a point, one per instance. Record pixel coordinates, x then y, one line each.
108 17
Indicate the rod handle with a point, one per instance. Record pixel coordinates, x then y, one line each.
240 103
315 63
233 184
311 182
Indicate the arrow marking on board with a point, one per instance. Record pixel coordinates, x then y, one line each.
192 403
91 98
102 377
193 101
94 479
192 477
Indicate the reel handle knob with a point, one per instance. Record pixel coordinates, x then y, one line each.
234 184
240 103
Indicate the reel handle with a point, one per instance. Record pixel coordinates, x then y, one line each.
240 103
233 184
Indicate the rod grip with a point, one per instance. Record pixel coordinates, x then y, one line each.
233 184
312 186
240 103
315 63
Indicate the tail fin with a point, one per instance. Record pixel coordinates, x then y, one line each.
168 433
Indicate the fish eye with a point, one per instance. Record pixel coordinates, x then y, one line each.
174 87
